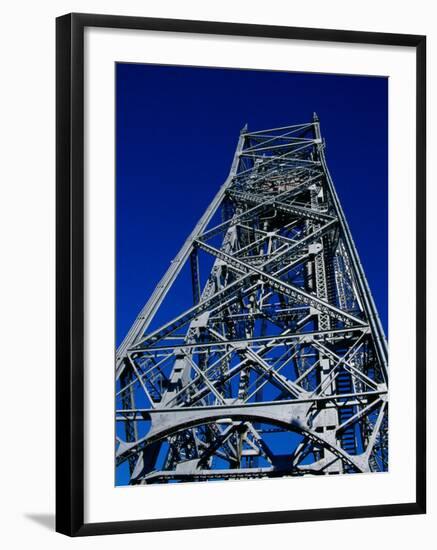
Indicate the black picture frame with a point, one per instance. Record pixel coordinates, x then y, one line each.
70 273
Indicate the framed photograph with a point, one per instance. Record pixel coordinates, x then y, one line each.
240 274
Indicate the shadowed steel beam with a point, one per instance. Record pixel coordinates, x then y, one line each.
366 293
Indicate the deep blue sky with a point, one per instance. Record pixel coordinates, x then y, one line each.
177 129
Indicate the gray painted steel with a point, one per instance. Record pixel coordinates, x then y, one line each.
280 367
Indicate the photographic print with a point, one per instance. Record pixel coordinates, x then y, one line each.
251 274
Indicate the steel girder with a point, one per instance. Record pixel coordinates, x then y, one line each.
279 368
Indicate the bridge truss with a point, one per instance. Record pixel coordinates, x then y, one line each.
279 366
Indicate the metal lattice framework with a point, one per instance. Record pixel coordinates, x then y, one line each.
279 368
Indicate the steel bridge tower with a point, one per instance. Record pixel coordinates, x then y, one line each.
278 367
